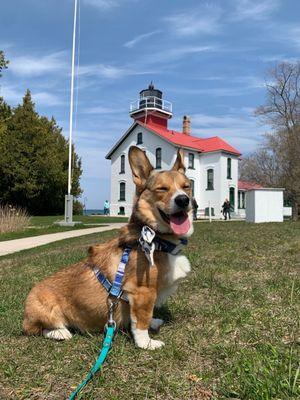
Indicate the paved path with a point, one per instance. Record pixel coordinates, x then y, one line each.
12 246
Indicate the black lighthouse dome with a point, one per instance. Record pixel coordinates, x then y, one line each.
151 105
151 97
151 92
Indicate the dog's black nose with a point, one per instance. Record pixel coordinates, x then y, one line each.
182 200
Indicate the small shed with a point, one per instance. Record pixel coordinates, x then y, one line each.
264 205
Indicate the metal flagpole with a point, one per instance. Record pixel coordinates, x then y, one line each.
69 197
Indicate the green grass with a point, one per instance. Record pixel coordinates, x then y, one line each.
44 225
232 329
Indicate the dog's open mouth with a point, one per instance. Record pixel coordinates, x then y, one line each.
179 222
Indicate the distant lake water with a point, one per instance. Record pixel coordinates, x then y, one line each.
93 211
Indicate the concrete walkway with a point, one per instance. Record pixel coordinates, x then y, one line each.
13 246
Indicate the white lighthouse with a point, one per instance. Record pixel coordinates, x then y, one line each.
211 163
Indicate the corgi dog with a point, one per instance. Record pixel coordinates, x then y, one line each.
73 298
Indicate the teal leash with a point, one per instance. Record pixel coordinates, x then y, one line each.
115 293
110 329
107 344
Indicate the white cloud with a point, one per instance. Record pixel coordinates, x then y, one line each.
203 20
218 91
169 55
103 4
279 58
38 65
239 86
255 9
179 52
290 34
286 34
242 130
102 70
13 95
100 110
114 72
143 66
220 121
46 99
271 58
139 38
106 5
249 81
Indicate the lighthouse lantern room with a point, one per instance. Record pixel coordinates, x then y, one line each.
151 107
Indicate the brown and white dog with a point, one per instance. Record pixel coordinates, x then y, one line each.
73 298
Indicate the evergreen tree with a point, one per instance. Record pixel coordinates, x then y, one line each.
5 111
5 115
34 160
3 62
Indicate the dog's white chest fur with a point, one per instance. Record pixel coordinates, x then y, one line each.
178 268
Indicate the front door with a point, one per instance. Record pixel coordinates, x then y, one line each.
231 199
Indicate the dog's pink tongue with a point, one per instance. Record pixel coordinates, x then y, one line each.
180 223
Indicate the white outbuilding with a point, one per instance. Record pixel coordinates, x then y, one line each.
264 205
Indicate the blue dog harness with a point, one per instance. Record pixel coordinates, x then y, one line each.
169 247
115 289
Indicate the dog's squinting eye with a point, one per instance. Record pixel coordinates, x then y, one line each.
186 187
162 189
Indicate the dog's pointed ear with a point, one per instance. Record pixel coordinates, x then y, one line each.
179 162
140 166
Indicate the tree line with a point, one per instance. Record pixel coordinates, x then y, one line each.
34 158
276 163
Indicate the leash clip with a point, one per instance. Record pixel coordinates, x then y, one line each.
111 308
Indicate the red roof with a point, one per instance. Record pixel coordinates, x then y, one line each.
244 185
180 139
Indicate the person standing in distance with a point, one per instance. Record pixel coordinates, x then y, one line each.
226 209
106 207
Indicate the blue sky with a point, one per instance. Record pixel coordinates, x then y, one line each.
208 57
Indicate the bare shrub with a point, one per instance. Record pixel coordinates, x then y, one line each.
13 219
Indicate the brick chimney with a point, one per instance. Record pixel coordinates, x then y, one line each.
186 125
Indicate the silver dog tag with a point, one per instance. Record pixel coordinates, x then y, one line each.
148 234
146 242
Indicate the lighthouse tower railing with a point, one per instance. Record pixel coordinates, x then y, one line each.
151 102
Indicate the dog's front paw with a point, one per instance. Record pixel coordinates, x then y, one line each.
143 341
150 344
155 344
57 334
